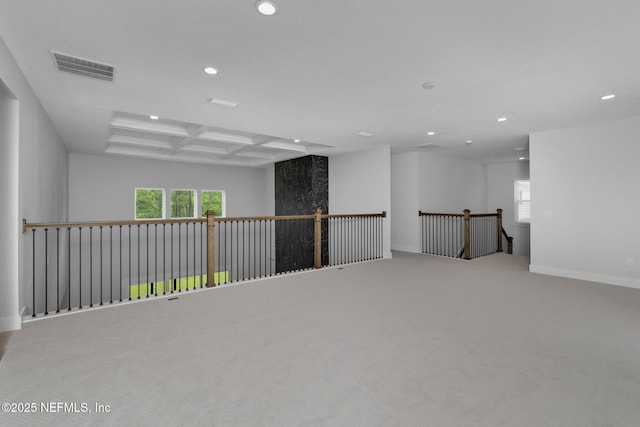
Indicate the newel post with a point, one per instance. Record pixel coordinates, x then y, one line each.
499 230
317 239
467 234
211 250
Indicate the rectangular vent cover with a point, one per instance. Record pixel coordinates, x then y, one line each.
83 67
223 102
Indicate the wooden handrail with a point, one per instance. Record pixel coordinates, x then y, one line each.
31 226
383 214
467 216
210 221
509 242
499 221
504 232
110 260
483 215
420 213
263 218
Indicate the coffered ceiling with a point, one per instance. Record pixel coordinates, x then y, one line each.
336 75
156 138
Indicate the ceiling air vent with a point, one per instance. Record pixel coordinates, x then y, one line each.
83 67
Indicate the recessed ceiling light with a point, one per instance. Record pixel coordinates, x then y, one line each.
154 117
210 70
428 85
604 98
296 140
431 133
361 133
502 119
266 8
468 142
521 158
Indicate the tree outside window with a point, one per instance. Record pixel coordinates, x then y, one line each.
182 203
149 203
211 200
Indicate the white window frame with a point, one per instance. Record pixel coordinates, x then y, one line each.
224 200
520 199
135 202
195 203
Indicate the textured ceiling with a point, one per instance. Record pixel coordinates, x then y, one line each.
323 71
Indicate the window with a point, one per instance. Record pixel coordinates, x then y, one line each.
149 203
183 204
212 200
523 200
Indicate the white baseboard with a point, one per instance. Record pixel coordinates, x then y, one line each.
627 282
387 255
11 323
403 248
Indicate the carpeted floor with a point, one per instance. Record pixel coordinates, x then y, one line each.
411 341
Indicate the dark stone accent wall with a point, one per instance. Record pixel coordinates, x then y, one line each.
302 186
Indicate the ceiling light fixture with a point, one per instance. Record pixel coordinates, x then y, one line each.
605 97
364 134
210 70
468 142
296 140
431 133
222 102
154 117
428 85
502 119
521 158
266 8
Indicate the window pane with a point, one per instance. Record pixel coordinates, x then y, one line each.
149 203
523 201
182 203
211 200
524 188
524 211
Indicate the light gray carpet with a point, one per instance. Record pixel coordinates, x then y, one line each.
411 341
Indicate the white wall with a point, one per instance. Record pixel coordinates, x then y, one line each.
360 182
9 212
103 187
270 189
585 203
450 185
500 194
405 201
42 181
431 183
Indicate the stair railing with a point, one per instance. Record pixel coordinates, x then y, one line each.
463 235
86 264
